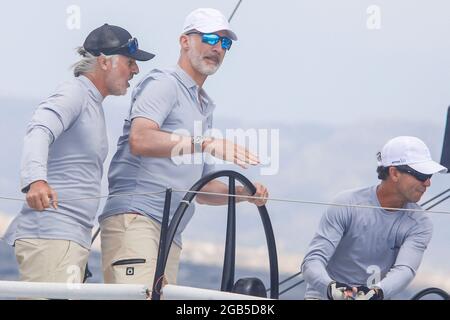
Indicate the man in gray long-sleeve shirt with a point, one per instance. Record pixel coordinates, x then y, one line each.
63 154
373 254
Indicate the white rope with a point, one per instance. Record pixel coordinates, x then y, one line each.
314 202
245 197
93 197
114 195
11 199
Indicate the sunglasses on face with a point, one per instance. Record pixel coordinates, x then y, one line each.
416 174
212 39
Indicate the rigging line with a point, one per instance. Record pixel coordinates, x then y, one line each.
313 202
93 197
247 197
292 287
95 235
12 199
114 196
287 279
435 204
234 11
435 197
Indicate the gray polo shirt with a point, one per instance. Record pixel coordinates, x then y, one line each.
65 145
360 246
171 99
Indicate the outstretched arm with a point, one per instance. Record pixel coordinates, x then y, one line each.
220 187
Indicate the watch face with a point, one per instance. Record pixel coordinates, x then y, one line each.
198 139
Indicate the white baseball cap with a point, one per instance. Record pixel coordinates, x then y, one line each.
410 151
207 20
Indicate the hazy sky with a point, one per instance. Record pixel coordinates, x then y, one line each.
318 61
317 69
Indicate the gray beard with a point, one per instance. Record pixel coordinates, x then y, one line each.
199 65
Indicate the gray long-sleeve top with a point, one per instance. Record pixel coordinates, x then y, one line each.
65 145
369 247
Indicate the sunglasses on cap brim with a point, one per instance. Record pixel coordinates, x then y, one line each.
130 47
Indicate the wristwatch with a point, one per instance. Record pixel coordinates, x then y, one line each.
197 141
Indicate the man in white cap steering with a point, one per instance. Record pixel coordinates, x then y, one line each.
374 253
170 113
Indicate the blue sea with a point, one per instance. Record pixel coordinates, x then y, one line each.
195 275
